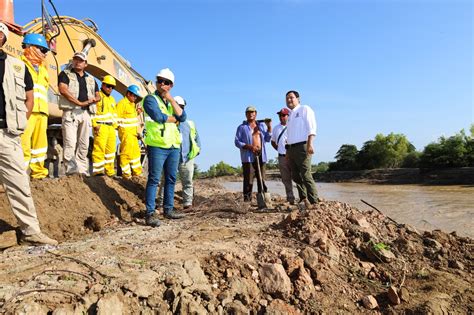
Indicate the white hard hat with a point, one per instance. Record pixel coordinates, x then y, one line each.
4 30
166 74
180 100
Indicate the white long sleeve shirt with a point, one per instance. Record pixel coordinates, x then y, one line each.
282 141
301 124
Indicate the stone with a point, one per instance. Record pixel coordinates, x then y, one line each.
31 308
366 267
369 302
187 305
432 243
142 283
393 295
310 258
333 252
455 264
279 307
319 239
193 268
359 220
235 307
411 229
110 304
386 255
292 264
244 290
8 239
70 310
304 287
404 294
275 281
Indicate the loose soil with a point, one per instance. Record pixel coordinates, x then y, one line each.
225 256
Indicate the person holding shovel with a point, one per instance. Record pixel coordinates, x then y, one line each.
250 138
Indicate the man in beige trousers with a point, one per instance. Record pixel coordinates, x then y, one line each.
16 104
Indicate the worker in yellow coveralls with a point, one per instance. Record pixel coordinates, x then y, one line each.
104 124
34 140
127 116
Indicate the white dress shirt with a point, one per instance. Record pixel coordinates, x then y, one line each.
281 143
301 124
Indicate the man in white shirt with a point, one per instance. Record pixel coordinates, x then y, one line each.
299 149
279 136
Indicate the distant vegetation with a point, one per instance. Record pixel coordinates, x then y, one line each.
390 151
394 150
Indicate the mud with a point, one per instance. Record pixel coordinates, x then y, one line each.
225 257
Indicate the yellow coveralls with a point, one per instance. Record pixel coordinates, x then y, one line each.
34 140
128 132
103 152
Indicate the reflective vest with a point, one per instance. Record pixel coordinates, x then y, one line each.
15 95
73 88
160 135
106 112
41 86
195 149
127 116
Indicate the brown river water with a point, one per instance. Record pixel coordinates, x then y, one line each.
449 208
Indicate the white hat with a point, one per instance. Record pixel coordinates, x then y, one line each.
166 74
180 100
4 30
80 55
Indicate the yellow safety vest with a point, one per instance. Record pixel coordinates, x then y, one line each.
41 86
160 135
127 116
106 112
195 149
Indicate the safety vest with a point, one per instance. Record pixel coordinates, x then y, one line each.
195 149
106 113
41 86
127 114
15 95
73 88
160 135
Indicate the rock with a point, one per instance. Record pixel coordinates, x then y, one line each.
69 310
279 307
292 264
333 252
94 223
110 304
359 220
455 264
411 229
292 217
369 302
304 287
8 239
30 307
404 294
244 290
142 283
366 267
236 308
439 303
275 281
386 255
432 243
187 305
310 258
195 272
393 295
338 232
319 239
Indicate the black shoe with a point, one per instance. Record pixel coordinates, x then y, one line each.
152 220
172 214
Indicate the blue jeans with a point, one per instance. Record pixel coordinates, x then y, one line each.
160 159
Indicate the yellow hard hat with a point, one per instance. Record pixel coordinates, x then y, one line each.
108 79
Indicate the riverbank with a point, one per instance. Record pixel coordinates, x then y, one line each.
399 176
225 256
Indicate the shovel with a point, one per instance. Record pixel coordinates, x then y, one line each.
264 200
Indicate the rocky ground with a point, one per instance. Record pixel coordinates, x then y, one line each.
224 257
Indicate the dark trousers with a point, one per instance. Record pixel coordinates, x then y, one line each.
249 171
300 163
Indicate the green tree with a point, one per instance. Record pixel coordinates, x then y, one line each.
321 167
346 158
272 164
223 169
384 151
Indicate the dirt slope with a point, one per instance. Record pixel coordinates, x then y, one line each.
225 257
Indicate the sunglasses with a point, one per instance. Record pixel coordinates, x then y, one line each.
164 81
109 86
43 50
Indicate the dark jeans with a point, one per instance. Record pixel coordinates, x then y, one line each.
161 160
300 163
249 171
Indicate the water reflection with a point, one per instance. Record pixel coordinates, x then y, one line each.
449 208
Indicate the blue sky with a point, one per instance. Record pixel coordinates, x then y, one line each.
365 67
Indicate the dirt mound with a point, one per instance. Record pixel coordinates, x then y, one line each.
226 256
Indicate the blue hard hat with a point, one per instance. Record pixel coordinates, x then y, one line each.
35 39
134 90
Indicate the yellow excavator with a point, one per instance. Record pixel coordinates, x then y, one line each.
65 36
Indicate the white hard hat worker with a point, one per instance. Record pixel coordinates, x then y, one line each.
167 75
181 101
